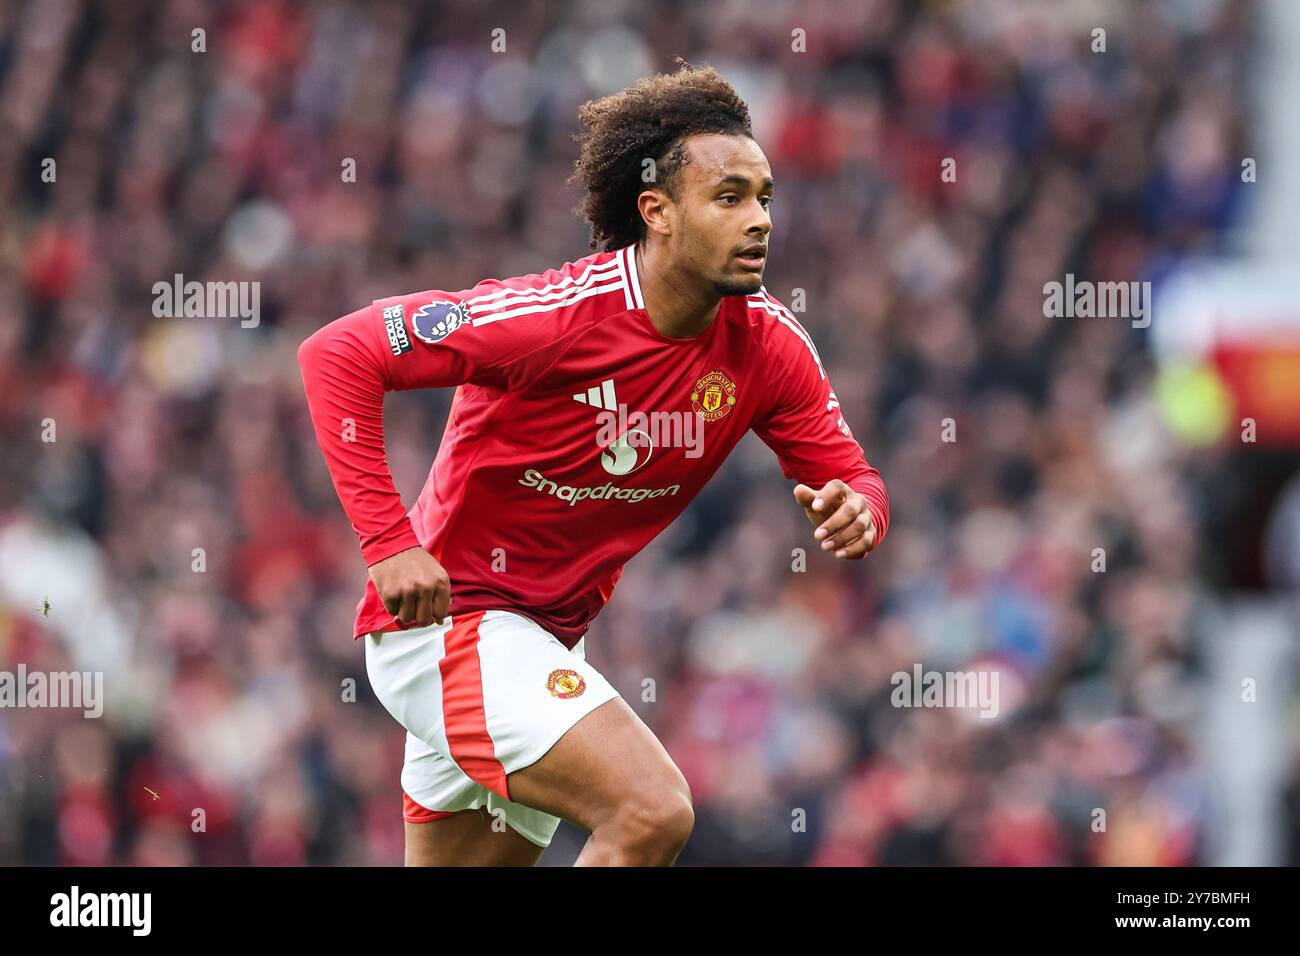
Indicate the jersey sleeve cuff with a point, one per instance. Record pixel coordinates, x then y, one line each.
872 487
401 538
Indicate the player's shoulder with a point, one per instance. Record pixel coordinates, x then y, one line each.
589 287
539 303
778 329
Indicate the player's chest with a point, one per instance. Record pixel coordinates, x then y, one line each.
642 409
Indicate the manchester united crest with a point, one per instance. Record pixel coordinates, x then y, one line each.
565 684
714 396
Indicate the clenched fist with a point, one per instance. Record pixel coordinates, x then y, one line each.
414 587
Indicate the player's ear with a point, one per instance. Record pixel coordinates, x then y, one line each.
654 207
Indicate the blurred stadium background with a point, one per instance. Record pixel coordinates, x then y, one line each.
1121 689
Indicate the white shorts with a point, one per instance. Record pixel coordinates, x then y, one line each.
481 695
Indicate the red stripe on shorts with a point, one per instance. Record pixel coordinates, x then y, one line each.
412 812
462 706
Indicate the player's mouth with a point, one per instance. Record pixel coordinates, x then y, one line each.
753 257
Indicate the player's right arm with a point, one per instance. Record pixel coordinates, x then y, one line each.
345 374
347 366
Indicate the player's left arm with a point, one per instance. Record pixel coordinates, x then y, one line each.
841 493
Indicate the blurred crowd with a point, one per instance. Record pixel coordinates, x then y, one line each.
183 528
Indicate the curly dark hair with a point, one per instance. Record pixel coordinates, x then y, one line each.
650 120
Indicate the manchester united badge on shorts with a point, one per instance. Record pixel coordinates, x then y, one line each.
713 396
565 684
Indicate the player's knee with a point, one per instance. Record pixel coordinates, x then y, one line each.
656 823
680 821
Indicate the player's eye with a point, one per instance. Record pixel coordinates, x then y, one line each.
728 199
765 200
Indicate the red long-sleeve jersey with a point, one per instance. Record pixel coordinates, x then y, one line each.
577 434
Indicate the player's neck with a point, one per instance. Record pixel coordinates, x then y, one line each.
675 311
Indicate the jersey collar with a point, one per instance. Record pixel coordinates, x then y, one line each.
631 280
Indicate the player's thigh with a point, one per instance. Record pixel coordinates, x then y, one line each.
451 820
605 763
467 838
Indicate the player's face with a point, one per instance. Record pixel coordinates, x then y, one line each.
721 214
